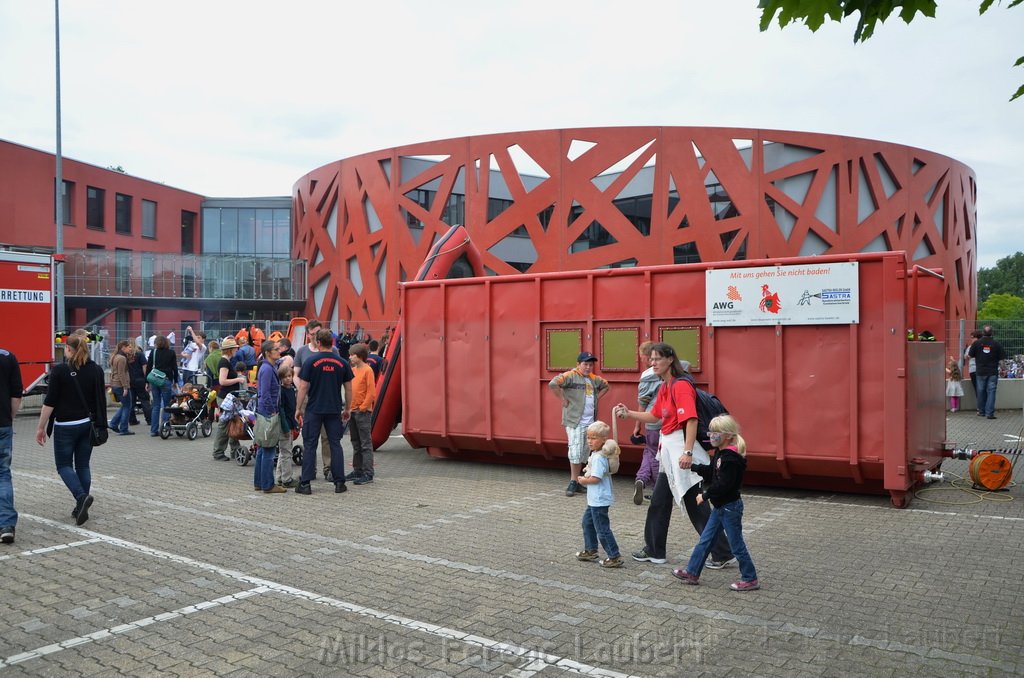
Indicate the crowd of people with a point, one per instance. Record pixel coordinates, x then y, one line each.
312 393
297 393
316 391
328 384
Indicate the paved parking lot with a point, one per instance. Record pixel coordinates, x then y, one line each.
446 568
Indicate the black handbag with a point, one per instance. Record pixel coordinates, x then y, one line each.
98 434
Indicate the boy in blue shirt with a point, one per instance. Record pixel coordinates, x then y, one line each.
597 478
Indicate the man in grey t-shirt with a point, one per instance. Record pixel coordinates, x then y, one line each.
302 352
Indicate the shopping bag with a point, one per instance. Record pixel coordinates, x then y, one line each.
156 377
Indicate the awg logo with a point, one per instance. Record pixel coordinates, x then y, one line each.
733 295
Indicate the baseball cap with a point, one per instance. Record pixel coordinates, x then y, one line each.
586 357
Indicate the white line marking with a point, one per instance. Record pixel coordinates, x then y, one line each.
124 628
265 585
757 623
797 500
49 549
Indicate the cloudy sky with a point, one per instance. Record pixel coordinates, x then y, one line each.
231 98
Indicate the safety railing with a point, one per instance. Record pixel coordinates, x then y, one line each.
102 273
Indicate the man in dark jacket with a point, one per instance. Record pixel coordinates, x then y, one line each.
10 402
987 352
137 375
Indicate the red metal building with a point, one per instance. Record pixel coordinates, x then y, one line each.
578 199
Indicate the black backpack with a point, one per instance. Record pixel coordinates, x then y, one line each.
708 407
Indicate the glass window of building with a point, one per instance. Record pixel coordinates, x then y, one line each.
246 231
94 198
263 232
283 234
148 219
188 232
122 270
123 213
148 264
228 231
67 195
211 230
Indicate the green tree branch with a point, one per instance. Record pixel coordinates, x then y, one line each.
814 13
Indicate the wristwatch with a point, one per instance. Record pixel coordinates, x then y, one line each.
688 453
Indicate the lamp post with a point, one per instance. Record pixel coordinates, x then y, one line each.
58 283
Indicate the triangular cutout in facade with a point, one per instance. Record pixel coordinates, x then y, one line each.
593 236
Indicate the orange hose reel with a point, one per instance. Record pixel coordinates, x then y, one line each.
990 471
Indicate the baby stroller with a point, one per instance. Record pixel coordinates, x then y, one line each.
188 414
297 448
238 420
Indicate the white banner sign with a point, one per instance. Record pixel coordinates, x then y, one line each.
26 296
811 294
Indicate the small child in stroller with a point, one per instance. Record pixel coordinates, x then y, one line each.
188 414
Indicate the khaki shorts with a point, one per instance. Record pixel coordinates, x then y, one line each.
578 449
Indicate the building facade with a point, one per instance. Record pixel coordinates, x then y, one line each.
143 256
575 199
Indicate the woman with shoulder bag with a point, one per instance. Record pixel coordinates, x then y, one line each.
268 424
75 402
121 387
162 359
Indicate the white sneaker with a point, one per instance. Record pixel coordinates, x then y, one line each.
644 557
638 492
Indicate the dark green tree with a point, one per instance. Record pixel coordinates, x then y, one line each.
814 13
1007 277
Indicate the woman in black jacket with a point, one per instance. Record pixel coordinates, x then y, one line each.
163 358
74 409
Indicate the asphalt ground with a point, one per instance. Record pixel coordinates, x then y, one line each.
443 568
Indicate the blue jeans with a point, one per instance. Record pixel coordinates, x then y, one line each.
161 399
987 394
311 437
72 449
596 526
8 516
659 517
263 471
729 518
120 421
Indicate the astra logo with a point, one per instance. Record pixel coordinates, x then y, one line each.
721 304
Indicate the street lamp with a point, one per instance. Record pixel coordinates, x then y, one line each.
58 283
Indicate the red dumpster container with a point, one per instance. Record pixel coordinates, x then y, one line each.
836 398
